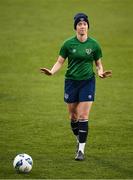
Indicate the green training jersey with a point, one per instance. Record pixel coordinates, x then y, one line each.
80 57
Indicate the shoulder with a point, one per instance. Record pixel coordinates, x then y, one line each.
94 42
69 41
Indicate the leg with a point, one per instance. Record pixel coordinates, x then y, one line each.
72 109
83 111
79 111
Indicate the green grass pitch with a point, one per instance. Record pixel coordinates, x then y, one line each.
33 116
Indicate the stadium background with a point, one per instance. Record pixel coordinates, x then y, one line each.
33 116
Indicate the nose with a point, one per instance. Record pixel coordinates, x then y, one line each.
82 26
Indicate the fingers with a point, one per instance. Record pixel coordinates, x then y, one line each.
102 76
107 73
45 71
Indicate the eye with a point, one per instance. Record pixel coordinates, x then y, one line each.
85 24
80 23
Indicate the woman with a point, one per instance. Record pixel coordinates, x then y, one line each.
81 52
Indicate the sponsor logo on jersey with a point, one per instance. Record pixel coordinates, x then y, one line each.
74 50
88 51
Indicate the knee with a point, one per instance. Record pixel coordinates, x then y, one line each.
73 115
83 115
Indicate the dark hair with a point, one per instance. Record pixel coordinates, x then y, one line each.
80 17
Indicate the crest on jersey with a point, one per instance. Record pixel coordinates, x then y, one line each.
88 51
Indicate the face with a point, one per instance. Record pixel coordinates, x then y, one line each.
82 28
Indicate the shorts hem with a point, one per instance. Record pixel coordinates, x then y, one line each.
79 101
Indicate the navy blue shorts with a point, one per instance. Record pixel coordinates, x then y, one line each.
79 90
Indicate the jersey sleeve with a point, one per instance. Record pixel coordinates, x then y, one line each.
64 51
97 52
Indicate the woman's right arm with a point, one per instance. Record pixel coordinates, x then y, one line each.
59 63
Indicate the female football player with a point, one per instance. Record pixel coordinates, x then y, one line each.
81 51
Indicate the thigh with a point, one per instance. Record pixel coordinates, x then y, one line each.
83 109
70 91
87 91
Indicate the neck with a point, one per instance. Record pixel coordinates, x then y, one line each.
82 38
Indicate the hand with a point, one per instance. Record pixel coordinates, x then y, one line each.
46 71
100 73
105 74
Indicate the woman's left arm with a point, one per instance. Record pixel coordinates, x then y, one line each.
99 68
